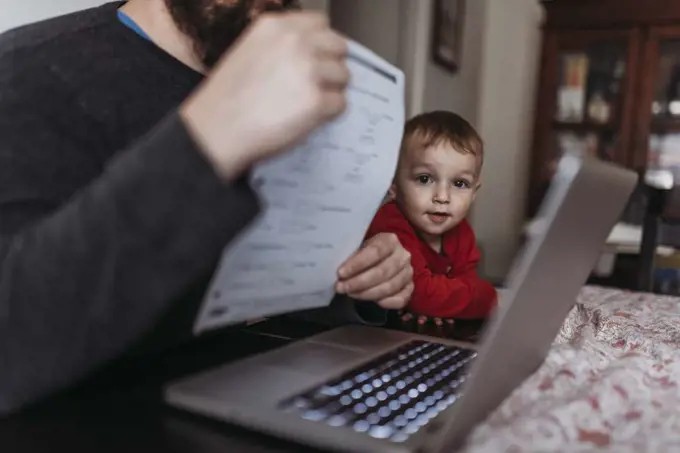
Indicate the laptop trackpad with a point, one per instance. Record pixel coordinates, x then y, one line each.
315 359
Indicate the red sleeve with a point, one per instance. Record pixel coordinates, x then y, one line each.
461 294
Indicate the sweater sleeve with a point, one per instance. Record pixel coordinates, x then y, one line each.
460 294
83 278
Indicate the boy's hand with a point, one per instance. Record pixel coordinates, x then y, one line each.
500 296
381 272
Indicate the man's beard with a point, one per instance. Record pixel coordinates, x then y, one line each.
213 26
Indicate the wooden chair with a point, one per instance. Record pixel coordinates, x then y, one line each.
658 184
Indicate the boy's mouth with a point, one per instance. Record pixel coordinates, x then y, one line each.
438 217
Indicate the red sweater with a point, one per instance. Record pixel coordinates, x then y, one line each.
447 284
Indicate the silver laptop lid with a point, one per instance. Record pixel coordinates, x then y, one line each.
585 200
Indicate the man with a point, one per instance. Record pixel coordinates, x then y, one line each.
120 182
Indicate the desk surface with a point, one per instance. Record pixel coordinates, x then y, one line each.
121 409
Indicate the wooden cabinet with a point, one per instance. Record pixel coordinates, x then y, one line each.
609 87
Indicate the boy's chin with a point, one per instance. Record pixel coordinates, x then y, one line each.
445 227
438 230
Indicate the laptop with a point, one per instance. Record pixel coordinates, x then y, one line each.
367 389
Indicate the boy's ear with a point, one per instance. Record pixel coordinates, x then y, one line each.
392 192
476 189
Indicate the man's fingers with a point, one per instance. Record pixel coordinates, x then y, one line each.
399 300
376 250
375 276
302 20
332 74
386 289
328 43
333 104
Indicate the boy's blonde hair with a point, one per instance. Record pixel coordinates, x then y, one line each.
443 127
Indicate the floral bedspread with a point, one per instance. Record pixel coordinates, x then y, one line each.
610 383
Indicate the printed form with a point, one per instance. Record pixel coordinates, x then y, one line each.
318 200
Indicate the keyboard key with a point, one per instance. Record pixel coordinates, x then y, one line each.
442 405
373 419
411 414
338 420
361 378
400 437
384 412
361 426
381 432
330 391
431 413
314 415
360 409
346 385
421 421
301 403
394 405
412 428
400 421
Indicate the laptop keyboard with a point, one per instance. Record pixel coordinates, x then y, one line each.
393 396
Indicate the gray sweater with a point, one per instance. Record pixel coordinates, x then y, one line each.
111 221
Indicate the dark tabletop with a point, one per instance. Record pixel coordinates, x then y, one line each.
120 409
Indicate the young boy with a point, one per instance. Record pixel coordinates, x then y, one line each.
437 178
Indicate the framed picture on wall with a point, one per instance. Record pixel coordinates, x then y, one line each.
447 33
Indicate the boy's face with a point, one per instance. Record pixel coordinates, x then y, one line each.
435 187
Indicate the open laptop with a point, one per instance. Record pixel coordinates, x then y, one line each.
367 389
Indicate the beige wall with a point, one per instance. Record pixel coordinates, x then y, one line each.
508 84
400 31
436 88
321 5
374 23
19 12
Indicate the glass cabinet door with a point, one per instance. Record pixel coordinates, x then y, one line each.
658 141
587 94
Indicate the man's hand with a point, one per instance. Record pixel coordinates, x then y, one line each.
381 272
284 77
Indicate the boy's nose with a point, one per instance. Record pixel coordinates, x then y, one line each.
441 197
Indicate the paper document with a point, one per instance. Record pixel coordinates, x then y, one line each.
318 199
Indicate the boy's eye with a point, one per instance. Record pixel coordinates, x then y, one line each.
424 179
461 184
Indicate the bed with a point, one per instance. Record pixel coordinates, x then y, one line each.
610 383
